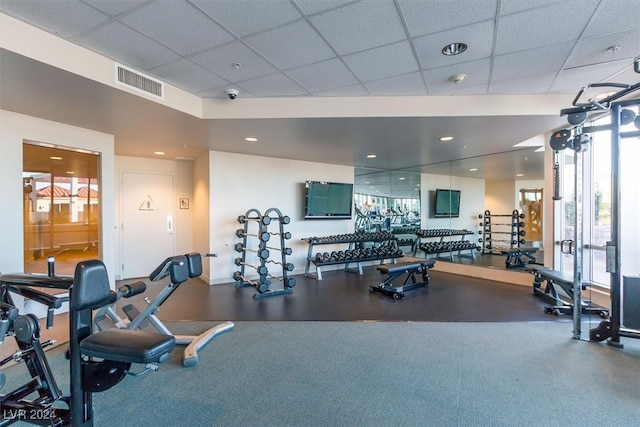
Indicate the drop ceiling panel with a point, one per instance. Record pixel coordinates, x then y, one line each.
323 75
423 17
382 62
478 37
531 62
515 6
189 76
114 8
249 16
291 46
595 50
539 83
576 78
404 85
66 19
614 15
273 85
310 7
221 60
477 74
544 26
356 27
178 26
121 43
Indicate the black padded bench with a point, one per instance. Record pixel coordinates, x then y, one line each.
519 257
410 269
559 284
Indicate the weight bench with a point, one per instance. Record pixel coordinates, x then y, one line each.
558 290
519 257
394 271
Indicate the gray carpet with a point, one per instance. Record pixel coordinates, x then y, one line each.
380 374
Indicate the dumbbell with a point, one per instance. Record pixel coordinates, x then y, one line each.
262 253
260 286
264 236
286 234
286 251
263 219
261 269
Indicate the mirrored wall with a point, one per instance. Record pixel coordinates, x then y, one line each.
461 210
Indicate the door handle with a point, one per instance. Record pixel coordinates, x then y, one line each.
169 224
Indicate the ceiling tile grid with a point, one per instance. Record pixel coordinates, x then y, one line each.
360 26
64 19
167 22
429 48
221 61
323 75
246 17
361 47
123 44
430 17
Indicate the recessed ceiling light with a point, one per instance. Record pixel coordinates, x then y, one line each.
519 174
454 49
473 169
251 139
70 172
371 156
446 138
402 178
159 153
55 158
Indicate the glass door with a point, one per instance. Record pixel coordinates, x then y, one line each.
61 207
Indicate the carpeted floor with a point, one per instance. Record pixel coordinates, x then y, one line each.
380 374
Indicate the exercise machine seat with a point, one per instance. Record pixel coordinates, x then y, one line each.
128 346
91 290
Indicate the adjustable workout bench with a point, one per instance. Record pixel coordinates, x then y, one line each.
519 257
397 270
558 285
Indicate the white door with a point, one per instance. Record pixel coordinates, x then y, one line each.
147 222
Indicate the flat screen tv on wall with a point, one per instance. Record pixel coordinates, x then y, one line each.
328 200
447 204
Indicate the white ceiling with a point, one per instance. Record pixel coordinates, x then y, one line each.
324 49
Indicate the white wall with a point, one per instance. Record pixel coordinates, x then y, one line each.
182 172
241 182
499 196
472 201
201 211
16 128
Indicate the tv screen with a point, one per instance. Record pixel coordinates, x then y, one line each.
328 200
447 204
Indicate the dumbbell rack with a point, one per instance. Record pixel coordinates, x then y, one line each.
407 241
443 247
271 216
355 252
515 231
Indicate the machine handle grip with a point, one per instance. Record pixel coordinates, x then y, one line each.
135 288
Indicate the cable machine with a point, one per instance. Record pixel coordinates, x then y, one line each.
577 138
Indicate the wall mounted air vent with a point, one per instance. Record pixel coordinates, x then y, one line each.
138 81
